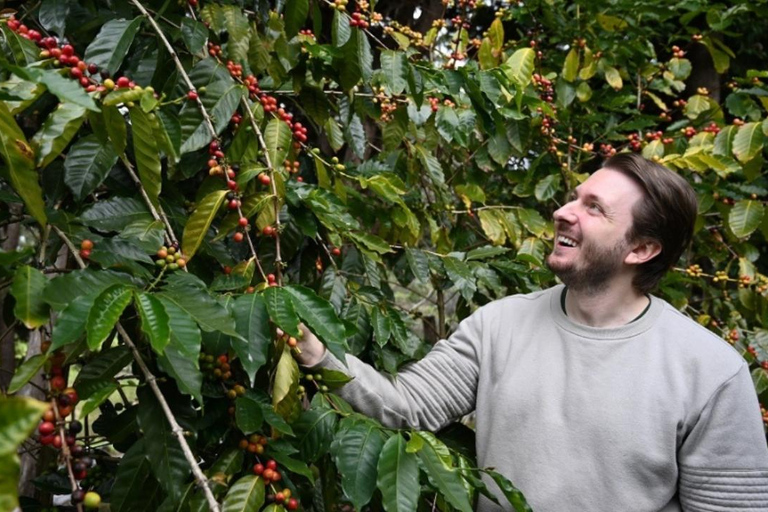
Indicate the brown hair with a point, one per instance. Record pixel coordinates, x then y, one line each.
666 215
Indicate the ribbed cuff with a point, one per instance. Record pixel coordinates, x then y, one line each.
723 490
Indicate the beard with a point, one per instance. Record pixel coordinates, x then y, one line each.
600 264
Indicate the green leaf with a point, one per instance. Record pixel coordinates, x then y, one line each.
334 133
447 122
277 137
382 327
613 77
314 432
398 478
53 15
220 100
26 372
512 493
183 368
245 495
748 142
295 14
65 289
199 222
65 89
358 60
194 34
745 217
340 29
87 165
134 482
154 320
697 104
147 155
111 44
520 66
252 322
394 66
681 68
418 263
100 371
461 275
760 379
281 311
320 317
20 165
180 359
356 452
448 481
571 65
204 309
611 23
492 226
286 383
57 131
27 289
370 242
105 312
533 221
115 213
18 417
98 398
248 414
161 447
70 324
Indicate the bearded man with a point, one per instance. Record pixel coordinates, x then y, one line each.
593 395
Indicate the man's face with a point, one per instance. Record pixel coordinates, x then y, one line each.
590 231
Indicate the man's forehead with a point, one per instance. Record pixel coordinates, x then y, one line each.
611 187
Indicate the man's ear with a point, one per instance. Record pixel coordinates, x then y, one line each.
642 252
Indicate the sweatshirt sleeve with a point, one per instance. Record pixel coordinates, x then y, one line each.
724 459
426 394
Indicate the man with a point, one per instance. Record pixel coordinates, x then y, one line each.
593 395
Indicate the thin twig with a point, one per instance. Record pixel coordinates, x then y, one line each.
66 454
157 213
276 199
176 429
200 478
179 65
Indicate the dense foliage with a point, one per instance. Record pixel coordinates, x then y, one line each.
180 180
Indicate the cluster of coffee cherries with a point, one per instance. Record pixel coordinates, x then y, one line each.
545 86
357 20
317 379
254 444
607 150
711 128
215 368
86 246
271 475
307 32
66 57
688 131
340 5
170 258
677 52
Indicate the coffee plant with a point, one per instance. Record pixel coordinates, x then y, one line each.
182 179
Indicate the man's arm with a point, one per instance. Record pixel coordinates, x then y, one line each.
724 459
426 394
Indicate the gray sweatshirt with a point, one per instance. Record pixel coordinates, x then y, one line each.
656 415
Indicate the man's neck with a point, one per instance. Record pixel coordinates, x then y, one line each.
612 307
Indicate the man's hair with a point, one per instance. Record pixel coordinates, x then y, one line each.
666 214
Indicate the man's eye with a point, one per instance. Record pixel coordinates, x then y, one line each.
595 206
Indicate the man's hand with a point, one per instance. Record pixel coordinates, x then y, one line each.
311 350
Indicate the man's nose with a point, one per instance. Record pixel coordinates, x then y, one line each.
565 214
